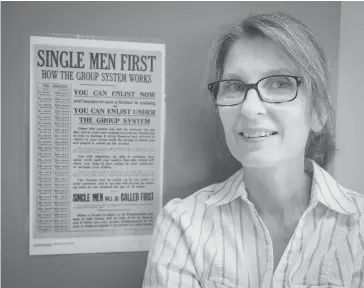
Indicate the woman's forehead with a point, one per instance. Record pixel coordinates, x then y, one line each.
257 57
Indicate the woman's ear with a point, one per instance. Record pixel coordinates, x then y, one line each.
318 122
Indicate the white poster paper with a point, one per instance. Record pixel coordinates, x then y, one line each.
96 144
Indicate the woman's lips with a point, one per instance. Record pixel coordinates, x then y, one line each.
257 135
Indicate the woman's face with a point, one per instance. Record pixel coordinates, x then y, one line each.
249 60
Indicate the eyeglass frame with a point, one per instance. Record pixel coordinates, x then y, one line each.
254 86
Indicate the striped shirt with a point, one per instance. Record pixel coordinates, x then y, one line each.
215 238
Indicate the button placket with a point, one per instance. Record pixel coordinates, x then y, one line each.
268 274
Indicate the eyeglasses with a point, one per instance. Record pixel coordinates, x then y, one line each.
271 89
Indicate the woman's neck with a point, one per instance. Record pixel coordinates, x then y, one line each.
278 189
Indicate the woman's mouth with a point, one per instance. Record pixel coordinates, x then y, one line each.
259 135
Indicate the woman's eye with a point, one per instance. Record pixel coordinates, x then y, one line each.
238 86
278 83
233 86
281 84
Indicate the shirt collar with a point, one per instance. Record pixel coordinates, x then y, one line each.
229 190
325 190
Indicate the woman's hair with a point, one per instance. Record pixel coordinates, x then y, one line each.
302 47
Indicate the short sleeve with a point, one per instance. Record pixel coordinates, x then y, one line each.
170 263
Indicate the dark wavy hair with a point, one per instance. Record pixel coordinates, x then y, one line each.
302 47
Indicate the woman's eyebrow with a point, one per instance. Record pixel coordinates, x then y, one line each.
280 71
232 76
270 72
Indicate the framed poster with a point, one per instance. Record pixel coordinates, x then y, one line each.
97 113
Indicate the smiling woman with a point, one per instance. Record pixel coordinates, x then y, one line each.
281 220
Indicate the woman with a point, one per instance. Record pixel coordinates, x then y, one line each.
282 220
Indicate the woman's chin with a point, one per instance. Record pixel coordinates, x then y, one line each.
258 161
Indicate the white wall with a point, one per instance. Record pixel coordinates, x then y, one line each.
349 161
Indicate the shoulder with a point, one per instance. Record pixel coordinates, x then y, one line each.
334 195
357 199
192 204
204 200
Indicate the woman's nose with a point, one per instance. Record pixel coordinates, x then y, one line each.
252 105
